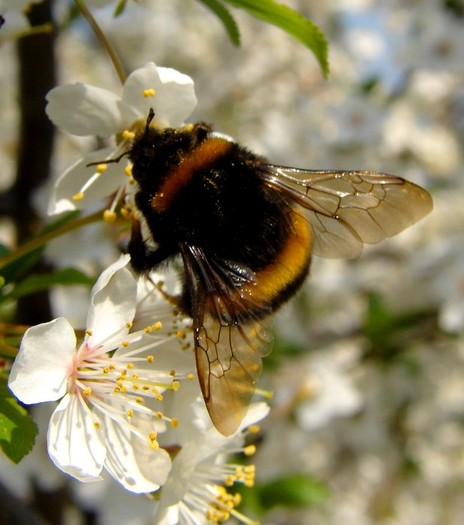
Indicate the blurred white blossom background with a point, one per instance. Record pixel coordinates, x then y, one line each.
368 366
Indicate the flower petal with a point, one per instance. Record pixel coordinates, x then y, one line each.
75 440
183 467
85 110
125 458
113 302
44 362
77 176
174 98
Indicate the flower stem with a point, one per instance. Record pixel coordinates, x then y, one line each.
103 40
39 241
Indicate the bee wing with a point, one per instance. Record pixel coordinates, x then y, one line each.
349 208
229 345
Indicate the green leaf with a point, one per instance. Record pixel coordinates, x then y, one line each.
226 18
38 282
18 266
17 430
296 490
294 23
389 335
119 9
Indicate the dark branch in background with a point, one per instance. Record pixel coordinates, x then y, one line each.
14 511
36 56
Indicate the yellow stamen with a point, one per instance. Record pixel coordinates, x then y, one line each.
254 429
249 450
109 216
128 135
100 168
78 196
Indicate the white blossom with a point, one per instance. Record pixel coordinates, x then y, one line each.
104 418
81 109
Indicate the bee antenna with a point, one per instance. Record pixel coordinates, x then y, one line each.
108 161
151 116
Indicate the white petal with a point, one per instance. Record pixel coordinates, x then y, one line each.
85 110
183 467
44 362
174 98
167 516
76 176
74 441
113 302
122 460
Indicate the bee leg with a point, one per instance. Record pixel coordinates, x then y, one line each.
144 258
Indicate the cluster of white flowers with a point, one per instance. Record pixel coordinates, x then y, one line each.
129 401
373 412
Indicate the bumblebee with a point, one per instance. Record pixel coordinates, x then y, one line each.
245 231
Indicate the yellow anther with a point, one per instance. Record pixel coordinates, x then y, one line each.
237 499
249 450
129 366
181 334
191 376
254 429
139 400
129 325
97 425
100 168
150 358
149 92
88 332
87 391
230 480
130 412
175 385
126 213
128 170
125 344
128 135
152 440
174 422
109 216
157 326
78 196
